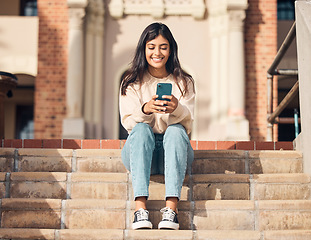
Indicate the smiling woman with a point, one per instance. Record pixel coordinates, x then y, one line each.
158 129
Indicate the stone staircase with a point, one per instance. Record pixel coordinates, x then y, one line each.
86 194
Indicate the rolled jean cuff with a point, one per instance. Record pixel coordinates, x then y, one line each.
141 195
172 196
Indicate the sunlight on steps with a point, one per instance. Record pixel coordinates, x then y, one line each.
87 194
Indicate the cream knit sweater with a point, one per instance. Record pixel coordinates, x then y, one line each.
131 105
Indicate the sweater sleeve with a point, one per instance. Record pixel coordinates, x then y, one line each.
184 113
131 110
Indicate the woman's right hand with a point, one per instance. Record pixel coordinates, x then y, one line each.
154 106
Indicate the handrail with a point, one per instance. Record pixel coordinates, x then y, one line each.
273 115
285 45
286 100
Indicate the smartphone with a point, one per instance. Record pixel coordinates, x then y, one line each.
164 89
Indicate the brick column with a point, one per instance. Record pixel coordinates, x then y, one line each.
260 49
50 85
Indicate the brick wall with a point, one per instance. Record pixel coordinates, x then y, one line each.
50 94
261 48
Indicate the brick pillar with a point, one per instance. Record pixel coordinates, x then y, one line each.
260 49
50 87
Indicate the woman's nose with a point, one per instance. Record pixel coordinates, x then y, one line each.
157 51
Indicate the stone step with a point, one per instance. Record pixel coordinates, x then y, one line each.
280 186
250 162
27 233
86 185
250 187
113 234
109 160
262 215
31 213
287 235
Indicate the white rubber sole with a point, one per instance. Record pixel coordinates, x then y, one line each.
168 225
142 225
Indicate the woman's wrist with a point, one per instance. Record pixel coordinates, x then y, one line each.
142 108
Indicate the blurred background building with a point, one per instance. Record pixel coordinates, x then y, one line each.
69 57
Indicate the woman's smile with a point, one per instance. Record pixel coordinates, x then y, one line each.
157 59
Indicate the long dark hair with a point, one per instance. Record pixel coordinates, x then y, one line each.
139 64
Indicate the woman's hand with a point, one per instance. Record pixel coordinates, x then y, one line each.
160 106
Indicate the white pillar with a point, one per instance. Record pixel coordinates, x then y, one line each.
236 73
237 125
98 69
73 124
89 69
218 18
303 26
94 69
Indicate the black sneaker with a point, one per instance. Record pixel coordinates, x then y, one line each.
169 219
141 219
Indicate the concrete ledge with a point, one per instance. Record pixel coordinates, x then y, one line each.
100 234
118 144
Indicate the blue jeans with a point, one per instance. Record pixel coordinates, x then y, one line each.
146 153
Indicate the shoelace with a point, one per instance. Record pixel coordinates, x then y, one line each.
168 214
142 214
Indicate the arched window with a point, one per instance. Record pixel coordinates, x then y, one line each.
19 109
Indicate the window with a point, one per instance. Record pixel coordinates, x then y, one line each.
24 122
286 10
28 8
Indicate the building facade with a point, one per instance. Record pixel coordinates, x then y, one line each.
84 47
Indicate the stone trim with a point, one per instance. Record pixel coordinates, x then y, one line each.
157 8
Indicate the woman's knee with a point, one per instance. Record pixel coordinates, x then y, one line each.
142 127
176 131
142 133
142 130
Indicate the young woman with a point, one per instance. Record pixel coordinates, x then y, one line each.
158 141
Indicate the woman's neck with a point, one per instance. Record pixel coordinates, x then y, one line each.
158 73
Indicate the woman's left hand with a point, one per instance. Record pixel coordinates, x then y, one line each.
171 105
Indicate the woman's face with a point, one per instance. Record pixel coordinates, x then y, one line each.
157 53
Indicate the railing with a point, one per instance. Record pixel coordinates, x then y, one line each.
273 116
